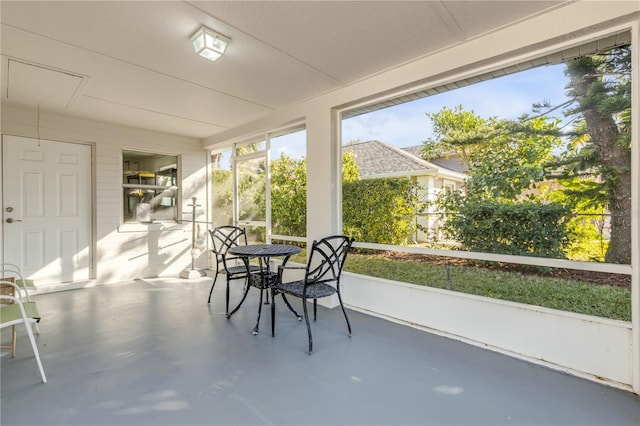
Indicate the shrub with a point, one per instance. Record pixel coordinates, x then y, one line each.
526 228
289 196
380 210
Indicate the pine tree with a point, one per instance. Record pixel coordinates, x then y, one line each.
600 87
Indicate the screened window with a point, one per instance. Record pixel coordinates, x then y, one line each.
512 168
261 185
493 151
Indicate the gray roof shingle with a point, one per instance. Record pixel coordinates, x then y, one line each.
376 158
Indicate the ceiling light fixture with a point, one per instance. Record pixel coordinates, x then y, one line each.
208 43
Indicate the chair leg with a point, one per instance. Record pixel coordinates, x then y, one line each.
212 286
227 298
286 301
247 287
273 312
35 352
315 310
14 337
345 313
306 319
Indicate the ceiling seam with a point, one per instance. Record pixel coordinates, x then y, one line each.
153 111
8 75
450 20
45 67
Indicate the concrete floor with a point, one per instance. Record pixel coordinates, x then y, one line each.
152 352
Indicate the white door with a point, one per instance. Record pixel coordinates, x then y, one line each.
46 208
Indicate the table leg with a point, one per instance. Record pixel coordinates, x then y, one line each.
265 277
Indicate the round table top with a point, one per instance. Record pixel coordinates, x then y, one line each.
265 250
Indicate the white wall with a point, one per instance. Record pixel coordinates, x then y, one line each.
129 251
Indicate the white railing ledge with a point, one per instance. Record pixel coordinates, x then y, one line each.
612 268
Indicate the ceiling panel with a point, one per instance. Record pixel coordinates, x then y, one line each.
40 86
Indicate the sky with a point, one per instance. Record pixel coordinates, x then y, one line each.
505 97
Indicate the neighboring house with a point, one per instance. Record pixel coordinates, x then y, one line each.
376 159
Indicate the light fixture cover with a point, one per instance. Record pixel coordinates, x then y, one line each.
208 43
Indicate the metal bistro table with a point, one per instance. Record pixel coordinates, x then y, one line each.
265 278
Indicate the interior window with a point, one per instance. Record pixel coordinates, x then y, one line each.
149 186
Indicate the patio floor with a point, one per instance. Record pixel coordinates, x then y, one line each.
152 352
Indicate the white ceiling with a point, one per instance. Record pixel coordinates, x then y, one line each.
132 63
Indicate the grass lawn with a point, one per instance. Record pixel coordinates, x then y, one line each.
568 295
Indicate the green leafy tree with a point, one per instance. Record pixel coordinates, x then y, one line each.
350 172
512 159
251 192
586 226
222 197
457 131
600 105
289 192
289 196
377 210
505 163
504 159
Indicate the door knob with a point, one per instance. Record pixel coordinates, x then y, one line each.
11 220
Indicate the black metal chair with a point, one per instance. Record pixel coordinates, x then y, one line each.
223 238
321 279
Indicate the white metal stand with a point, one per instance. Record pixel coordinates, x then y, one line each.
193 272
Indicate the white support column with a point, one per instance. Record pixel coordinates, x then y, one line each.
323 191
323 180
635 207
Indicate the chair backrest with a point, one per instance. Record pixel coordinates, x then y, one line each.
12 270
10 295
327 259
225 237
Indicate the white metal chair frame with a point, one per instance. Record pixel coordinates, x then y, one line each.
9 317
14 269
20 281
